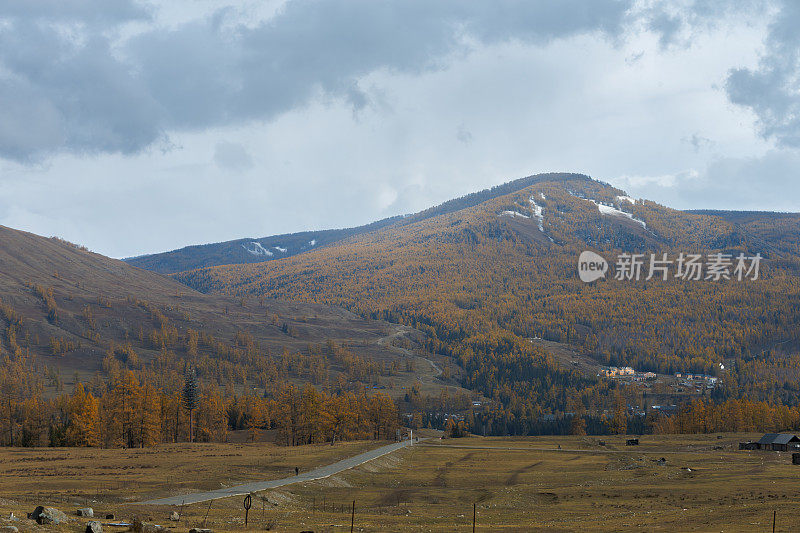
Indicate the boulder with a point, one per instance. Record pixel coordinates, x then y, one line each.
94 527
145 527
86 512
175 516
48 515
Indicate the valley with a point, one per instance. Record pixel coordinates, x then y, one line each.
74 318
312 266
469 312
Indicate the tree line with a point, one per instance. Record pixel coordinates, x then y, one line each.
130 411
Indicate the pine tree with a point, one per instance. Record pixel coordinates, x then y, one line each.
190 398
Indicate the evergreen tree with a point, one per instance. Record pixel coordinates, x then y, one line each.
190 398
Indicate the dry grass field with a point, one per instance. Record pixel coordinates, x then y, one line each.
517 484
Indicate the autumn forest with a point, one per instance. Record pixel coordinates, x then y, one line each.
426 321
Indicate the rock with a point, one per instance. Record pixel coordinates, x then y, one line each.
9 529
12 518
86 512
145 527
94 527
110 516
198 530
48 515
175 516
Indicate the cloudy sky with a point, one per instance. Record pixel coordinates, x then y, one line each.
134 127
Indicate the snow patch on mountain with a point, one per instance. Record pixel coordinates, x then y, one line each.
513 214
538 212
282 250
628 199
613 211
255 248
312 242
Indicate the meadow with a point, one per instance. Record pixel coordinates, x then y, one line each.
673 482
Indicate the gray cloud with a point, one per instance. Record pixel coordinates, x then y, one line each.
87 93
232 156
82 99
771 91
75 10
677 23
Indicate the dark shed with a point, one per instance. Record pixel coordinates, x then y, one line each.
778 442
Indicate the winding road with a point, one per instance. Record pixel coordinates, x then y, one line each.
256 486
399 331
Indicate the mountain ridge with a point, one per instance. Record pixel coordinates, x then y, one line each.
263 249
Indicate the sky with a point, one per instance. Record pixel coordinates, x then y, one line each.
135 127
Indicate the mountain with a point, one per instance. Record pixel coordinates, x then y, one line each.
488 275
68 315
259 250
245 250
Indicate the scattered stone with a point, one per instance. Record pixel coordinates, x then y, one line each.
145 527
94 527
87 512
48 515
175 516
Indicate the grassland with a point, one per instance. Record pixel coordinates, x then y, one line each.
517 484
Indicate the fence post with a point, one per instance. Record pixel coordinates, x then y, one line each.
353 517
474 515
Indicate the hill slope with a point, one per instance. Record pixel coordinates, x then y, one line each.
484 277
68 311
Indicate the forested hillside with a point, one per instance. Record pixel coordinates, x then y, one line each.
95 351
484 277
